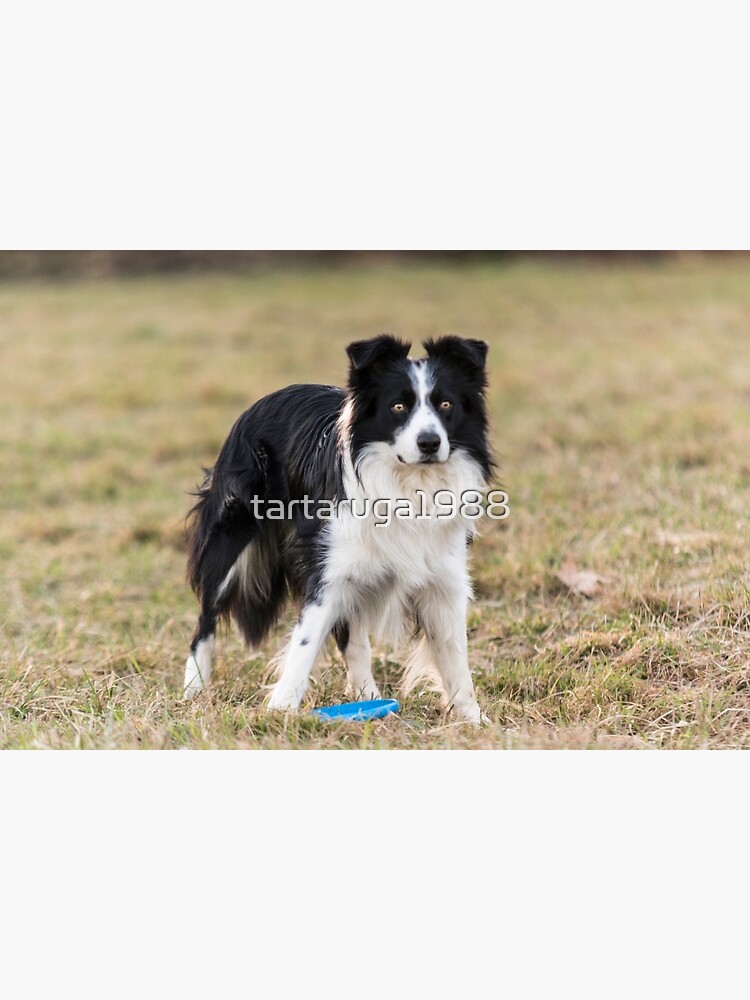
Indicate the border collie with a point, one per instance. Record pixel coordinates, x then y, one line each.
403 431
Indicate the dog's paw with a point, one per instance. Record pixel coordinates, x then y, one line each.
198 668
283 701
369 691
193 683
469 712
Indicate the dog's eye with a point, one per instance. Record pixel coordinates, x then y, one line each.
399 407
446 405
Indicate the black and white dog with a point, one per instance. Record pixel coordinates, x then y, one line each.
402 432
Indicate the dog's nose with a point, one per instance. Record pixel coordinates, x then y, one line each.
428 442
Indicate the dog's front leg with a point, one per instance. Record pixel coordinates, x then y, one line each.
442 615
315 622
357 655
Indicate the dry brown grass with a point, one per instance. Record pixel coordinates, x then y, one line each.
620 409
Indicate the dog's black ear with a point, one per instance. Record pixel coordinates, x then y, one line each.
469 355
378 351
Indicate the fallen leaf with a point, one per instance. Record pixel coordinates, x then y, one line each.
580 581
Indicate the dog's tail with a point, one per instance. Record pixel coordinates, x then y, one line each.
198 524
234 567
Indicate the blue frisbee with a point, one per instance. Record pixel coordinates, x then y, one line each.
358 711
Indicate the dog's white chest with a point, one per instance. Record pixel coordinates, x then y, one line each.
412 550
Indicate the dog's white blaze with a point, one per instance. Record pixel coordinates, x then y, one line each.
423 418
198 667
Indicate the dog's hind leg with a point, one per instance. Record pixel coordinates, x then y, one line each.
217 583
354 643
233 565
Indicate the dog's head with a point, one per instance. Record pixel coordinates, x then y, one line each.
424 410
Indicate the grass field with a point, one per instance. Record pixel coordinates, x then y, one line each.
620 401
